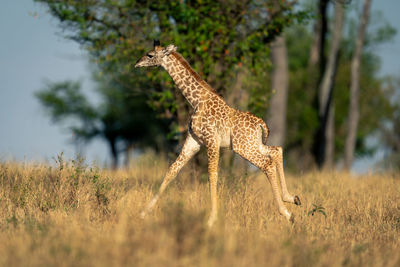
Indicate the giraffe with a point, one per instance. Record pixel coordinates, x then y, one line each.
214 124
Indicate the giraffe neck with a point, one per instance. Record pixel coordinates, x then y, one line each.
193 87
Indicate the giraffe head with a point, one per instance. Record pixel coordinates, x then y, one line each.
156 56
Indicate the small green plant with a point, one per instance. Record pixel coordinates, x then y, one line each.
315 209
101 188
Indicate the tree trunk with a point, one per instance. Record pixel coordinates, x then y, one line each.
114 153
315 70
279 83
330 140
355 89
326 88
128 155
320 28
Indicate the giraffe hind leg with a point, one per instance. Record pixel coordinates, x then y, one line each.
276 153
285 193
267 164
269 168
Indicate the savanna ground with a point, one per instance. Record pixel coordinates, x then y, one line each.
71 214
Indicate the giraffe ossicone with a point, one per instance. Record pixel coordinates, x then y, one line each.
214 124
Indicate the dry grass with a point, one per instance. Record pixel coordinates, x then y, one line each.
74 215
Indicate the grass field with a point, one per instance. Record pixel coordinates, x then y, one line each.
70 214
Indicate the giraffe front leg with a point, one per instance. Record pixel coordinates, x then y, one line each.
190 148
213 158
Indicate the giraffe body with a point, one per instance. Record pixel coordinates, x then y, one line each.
215 125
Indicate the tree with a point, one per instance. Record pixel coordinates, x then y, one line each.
276 117
317 56
279 85
324 139
223 40
389 135
228 43
215 36
302 113
355 89
121 119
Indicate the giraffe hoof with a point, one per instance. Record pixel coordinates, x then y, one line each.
291 218
297 201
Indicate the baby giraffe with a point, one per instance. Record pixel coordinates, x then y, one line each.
215 125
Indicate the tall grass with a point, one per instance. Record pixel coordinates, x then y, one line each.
71 214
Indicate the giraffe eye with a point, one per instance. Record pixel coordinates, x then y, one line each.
149 56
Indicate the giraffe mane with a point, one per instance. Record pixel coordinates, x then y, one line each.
198 78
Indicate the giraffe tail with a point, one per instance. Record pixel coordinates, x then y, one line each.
265 130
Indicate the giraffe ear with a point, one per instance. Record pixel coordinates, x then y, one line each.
169 49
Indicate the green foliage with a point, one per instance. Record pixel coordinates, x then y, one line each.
317 209
220 39
121 118
390 135
66 98
302 115
215 36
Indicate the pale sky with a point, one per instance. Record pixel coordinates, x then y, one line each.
31 51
